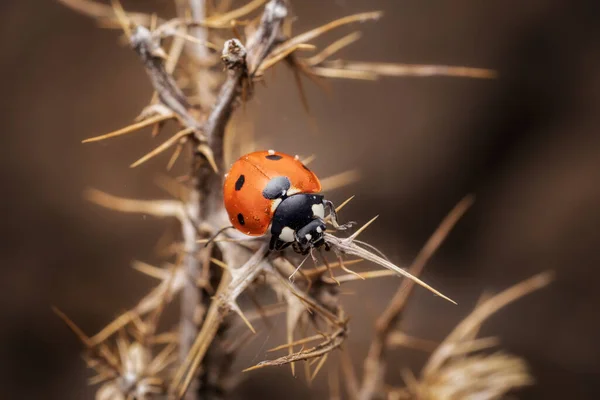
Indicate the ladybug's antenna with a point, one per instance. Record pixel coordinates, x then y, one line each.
213 237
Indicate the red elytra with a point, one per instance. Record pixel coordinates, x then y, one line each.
250 210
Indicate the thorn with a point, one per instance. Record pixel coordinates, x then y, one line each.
316 32
333 48
239 312
257 366
159 52
150 270
168 143
307 374
153 21
221 21
130 128
209 155
175 156
362 228
122 17
192 39
343 267
330 270
219 263
339 180
309 159
74 328
348 200
290 338
319 366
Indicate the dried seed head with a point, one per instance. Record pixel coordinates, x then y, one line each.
233 54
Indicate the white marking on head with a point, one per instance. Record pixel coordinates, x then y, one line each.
318 210
308 236
275 204
287 235
271 152
226 175
319 230
296 157
293 190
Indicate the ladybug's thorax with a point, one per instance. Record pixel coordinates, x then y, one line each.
299 218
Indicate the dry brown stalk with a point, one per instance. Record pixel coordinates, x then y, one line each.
194 359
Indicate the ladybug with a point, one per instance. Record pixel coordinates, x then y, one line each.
272 191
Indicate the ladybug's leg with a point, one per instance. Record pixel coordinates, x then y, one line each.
296 247
273 242
334 217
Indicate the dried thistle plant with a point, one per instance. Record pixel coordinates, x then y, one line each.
203 64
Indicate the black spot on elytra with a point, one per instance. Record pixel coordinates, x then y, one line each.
241 219
240 182
273 157
276 188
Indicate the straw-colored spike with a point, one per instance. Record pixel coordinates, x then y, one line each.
219 263
192 39
333 48
131 128
124 21
175 156
314 33
309 159
236 308
296 343
223 20
354 276
290 339
210 157
168 143
160 361
268 63
339 180
348 200
74 328
319 366
362 228
348 247
341 73
417 70
150 270
348 270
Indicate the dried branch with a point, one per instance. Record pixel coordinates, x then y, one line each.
374 364
492 375
480 314
322 349
147 46
312 302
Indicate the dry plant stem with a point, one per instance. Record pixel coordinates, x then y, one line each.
225 301
374 365
204 318
153 57
236 58
149 50
480 314
200 54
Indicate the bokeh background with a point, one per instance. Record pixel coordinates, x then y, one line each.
527 145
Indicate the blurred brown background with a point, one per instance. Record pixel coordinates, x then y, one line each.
526 144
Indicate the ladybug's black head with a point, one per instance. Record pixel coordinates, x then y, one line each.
298 219
311 235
